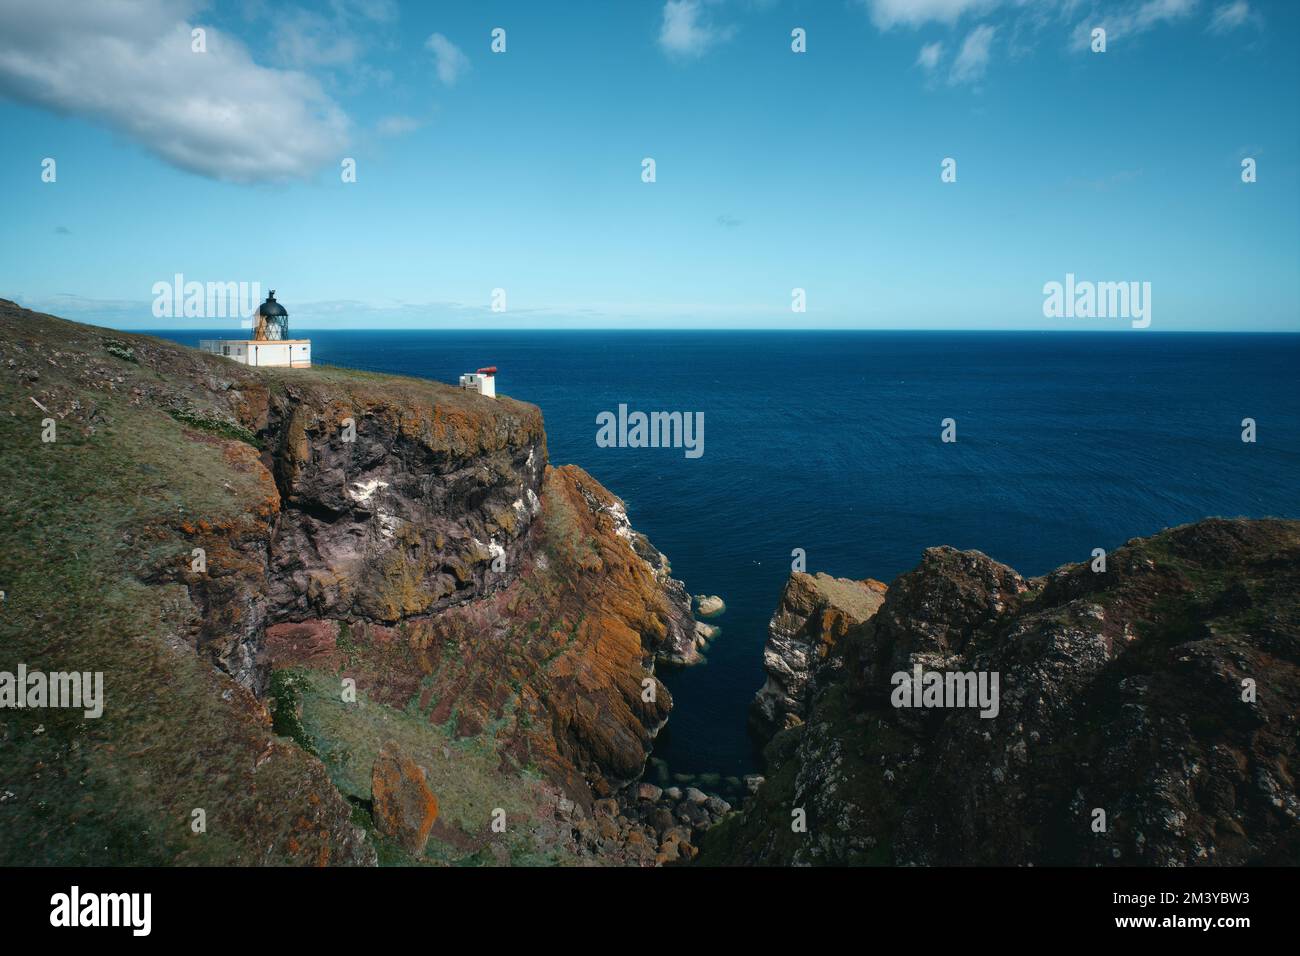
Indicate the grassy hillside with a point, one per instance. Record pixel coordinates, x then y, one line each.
84 523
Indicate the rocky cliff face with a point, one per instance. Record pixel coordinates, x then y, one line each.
408 517
367 561
385 499
559 662
814 612
1146 715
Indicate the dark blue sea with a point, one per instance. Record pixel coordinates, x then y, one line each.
830 442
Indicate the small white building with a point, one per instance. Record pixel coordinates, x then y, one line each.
270 343
294 353
484 381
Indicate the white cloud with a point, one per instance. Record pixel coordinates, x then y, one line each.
686 31
448 60
930 56
1153 12
336 35
912 13
1133 19
1230 16
130 67
973 58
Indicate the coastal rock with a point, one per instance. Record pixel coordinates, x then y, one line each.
696 815
404 806
674 640
425 501
935 611
705 633
814 612
648 791
717 807
661 819
710 605
1162 693
560 662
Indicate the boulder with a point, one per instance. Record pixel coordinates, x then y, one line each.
662 820
710 605
404 806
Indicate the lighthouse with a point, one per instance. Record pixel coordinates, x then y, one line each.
270 343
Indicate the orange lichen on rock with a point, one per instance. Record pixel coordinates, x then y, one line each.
404 806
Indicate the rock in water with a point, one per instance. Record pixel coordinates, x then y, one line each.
404 806
814 612
710 605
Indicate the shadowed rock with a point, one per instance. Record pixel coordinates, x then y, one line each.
1161 693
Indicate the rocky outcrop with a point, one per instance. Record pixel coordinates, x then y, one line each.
397 502
1145 715
381 499
814 612
677 819
674 636
426 528
404 806
554 672
709 605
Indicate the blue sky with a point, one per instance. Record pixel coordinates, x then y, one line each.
774 170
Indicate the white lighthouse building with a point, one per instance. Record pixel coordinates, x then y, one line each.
484 381
270 343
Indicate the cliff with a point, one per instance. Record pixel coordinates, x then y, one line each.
280 574
815 611
1144 715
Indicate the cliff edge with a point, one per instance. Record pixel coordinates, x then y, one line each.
296 581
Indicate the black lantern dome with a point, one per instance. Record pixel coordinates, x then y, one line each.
272 320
